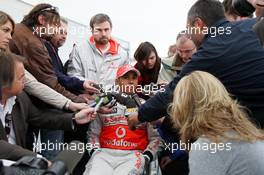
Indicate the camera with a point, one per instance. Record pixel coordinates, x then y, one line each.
31 165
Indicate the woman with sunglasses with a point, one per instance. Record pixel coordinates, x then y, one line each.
17 112
32 86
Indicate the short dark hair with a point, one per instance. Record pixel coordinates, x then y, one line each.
100 18
4 18
230 10
7 67
51 14
210 11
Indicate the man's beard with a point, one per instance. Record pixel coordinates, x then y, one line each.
60 43
102 41
47 37
186 60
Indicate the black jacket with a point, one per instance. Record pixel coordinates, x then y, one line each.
24 113
72 84
237 59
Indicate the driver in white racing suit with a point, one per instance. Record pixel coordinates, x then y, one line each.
119 150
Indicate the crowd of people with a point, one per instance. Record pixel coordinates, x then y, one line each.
204 117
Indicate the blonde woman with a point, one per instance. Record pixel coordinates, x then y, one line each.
226 141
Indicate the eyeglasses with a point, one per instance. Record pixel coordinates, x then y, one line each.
188 51
8 120
51 10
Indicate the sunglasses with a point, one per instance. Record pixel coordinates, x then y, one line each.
51 10
185 51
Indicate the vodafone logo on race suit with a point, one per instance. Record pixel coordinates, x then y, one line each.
120 132
120 143
120 137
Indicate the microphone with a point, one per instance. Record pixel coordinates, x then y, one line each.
99 104
124 99
135 97
103 100
131 102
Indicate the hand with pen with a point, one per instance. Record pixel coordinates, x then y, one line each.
89 114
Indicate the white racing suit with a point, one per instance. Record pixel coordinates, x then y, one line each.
121 151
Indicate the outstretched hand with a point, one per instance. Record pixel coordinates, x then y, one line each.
88 87
85 116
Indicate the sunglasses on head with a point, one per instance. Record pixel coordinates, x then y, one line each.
51 10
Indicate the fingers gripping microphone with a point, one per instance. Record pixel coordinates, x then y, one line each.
131 102
103 100
99 87
125 100
135 97
99 104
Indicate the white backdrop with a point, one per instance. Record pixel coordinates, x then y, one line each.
157 21
135 21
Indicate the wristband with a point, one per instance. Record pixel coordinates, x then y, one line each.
149 155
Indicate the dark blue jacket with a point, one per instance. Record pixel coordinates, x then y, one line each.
171 138
237 59
73 84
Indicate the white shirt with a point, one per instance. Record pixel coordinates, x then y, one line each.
7 109
88 63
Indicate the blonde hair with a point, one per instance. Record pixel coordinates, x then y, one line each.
203 107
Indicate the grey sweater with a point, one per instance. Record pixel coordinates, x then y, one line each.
231 158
